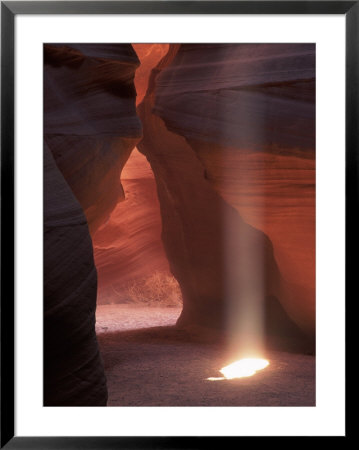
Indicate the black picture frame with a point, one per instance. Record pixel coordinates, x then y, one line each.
9 9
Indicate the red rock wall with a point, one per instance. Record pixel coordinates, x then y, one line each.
229 131
149 56
128 247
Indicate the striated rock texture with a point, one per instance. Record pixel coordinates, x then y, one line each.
90 121
73 370
149 55
257 97
128 247
229 131
90 128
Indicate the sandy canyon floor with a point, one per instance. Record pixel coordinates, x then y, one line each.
123 317
150 363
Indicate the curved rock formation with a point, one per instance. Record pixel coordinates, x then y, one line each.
90 128
229 131
128 247
149 55
90 123
73 370
255 97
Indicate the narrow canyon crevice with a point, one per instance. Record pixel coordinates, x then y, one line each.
128 248
227 205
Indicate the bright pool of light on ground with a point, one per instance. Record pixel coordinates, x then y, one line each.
242 368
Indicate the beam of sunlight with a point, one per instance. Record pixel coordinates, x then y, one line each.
245 287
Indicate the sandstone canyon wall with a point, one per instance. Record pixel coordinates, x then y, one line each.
229 131
73 370
91 125
90 128
128 248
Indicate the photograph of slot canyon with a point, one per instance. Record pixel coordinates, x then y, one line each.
179 224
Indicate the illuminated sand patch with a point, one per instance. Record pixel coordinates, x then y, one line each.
119 317
242 368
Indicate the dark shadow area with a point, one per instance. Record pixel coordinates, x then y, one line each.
164 366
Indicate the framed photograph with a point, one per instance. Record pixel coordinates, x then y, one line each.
178 181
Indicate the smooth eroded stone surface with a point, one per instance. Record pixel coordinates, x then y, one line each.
128 247
258 97
149 55
73 369
90 122
229 131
